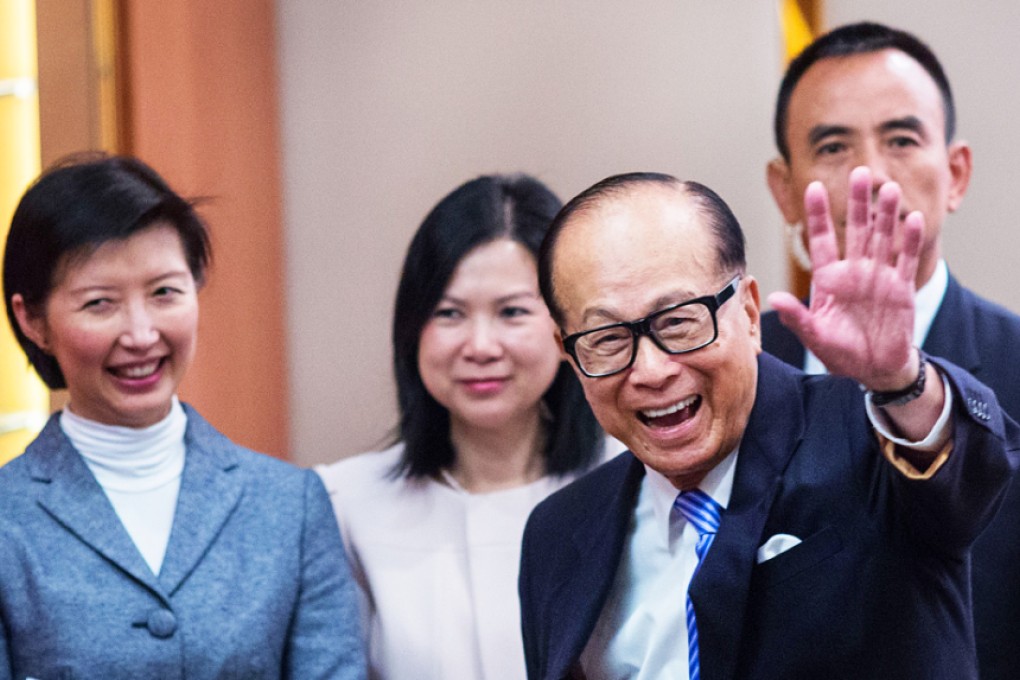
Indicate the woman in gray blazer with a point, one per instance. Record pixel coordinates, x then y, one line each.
136 541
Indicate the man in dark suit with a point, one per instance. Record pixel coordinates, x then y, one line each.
812 548
866 94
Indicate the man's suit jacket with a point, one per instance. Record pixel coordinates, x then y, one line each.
877 589
984 339
254 583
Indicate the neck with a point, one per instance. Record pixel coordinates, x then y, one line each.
926 266
491 460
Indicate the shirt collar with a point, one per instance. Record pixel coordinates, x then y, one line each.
718 484
927 301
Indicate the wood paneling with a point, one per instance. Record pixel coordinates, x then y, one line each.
202 109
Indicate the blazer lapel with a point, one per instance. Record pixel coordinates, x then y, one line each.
68 491
952 333
211 488
720 589
599 544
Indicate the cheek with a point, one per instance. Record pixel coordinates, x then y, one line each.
601 396
81 346
433 356
536 351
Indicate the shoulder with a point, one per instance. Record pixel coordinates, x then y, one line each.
589 494
363 473
271 473
989 315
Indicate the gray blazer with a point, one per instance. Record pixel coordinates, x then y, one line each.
254 583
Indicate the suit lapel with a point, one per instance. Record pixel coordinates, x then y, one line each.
599 545
211 488
720 589
952 333
69 492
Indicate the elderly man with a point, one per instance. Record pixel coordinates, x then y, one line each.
758 527
867 94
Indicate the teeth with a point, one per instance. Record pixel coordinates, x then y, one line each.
140 371
669 409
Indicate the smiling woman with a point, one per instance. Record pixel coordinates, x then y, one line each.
492 422
135 539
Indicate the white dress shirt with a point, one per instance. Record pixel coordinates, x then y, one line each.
642 630
437 568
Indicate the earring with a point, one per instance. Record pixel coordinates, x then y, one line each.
794 237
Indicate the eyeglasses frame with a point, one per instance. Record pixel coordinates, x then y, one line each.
643 328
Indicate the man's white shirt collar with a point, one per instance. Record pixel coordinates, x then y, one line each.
718 484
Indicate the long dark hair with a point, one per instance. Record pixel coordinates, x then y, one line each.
488 208
73 208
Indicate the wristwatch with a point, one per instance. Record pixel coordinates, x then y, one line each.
908 393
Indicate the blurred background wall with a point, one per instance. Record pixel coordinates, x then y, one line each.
324 131
387 106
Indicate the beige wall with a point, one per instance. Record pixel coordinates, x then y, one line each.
387 106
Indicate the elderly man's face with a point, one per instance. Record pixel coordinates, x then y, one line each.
630 256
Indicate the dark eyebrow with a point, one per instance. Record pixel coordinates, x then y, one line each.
911 123
820 132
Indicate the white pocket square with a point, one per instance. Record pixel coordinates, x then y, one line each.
776 545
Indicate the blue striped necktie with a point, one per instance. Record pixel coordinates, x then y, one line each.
703 513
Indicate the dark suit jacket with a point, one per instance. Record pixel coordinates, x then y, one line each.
984 339
254 583
879 586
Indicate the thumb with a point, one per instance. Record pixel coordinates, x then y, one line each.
793 314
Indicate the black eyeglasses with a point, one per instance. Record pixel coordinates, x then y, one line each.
677 329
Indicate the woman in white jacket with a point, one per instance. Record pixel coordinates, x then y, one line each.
491 422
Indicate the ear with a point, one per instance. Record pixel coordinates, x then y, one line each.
777 173
558 334
32 325
751 298
960 166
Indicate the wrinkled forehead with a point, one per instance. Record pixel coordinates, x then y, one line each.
628 251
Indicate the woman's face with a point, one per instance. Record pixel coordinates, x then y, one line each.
122 324
489 352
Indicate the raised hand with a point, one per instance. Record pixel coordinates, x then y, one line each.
861 319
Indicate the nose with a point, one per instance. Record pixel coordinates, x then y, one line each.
483 344
139 331
876 162
652 367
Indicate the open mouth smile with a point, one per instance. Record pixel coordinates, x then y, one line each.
671 416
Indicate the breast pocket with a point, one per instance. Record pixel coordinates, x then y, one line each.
806 555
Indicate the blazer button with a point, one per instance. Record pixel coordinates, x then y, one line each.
161 623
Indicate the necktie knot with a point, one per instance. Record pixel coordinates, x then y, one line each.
700 510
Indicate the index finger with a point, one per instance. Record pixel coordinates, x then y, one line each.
821 234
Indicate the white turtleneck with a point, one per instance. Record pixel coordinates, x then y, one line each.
140 472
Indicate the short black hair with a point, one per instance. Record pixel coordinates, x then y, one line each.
860 38
74 207
730 250
491 207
